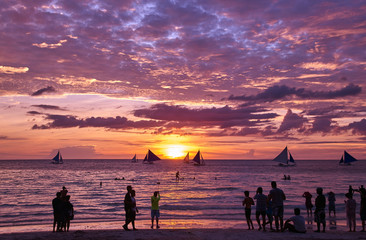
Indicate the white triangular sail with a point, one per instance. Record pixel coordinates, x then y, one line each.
134 159
348 158
61 159
186 159
198 159
341 161
282 157
150 157
291 159
58 158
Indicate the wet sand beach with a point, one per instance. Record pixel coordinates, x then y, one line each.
176 234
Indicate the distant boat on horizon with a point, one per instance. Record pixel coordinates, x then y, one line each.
285 158
347 159
198 159
58 158
134 159
150 158
186 159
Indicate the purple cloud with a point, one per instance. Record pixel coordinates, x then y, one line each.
34 113
322 124
48 107
280 92
247 131
292 121
358 127
67 121
42 91
224 117
166 118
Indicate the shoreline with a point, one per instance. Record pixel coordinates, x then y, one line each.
177 234
167 224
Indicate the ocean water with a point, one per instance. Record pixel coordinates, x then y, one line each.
207 197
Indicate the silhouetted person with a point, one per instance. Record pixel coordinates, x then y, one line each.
248 202
308 204
320 209
63 193
362 192
155 213
288 177
261 208
57 211
351 212
177 176
68 212
350 190
363 207
295 223
128 206
277 196
331 203
134 209
269 213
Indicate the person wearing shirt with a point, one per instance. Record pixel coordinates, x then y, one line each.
261 208
155 213
298 223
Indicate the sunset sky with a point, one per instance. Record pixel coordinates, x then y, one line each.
237 79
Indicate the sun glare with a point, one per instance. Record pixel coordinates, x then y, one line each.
175 151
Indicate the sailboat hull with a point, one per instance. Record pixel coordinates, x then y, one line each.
286 165
196 164
345 164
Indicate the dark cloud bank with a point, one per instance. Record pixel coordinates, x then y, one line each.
163 118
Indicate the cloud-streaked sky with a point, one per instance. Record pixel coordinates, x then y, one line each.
238 79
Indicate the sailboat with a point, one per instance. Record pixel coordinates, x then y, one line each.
285 160
347 159
150 157
134 159
58 158
198 159
186 159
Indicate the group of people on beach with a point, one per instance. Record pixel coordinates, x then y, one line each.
131 209
267 206
272 206
63 211
350 206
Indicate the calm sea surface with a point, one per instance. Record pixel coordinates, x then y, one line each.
208 196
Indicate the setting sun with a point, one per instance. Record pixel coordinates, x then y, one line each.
175 151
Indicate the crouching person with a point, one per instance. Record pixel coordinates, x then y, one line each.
295 223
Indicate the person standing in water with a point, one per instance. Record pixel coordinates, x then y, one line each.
69 213
351 212
261 208
248 202
155 213
134 209
277 197
308 204
57 211
128 205
320 209
331 203
362 192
